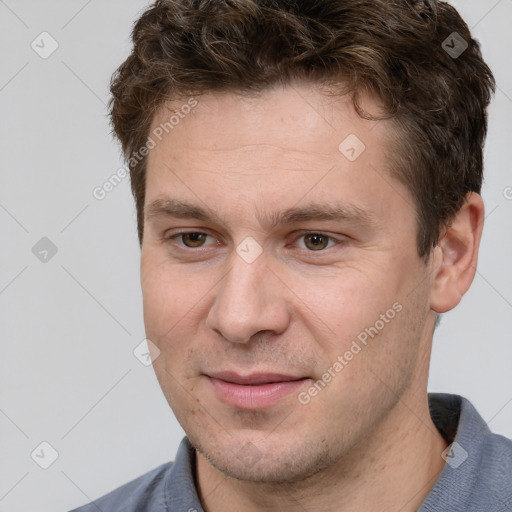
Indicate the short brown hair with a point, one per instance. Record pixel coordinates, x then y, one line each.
396 49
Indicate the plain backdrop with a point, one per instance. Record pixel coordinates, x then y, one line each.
70 323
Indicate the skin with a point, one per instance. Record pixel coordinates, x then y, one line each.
366 441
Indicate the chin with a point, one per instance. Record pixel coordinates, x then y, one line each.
267 464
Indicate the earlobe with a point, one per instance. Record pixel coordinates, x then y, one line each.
456 255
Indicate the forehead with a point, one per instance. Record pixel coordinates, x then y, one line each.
279 148
285 116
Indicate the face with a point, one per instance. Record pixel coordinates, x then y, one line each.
281 280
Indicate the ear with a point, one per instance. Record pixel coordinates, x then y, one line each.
456 255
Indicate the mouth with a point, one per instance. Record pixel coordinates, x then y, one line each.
254 391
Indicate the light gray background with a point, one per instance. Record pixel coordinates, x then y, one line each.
69 326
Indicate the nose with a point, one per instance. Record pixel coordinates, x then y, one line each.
250 300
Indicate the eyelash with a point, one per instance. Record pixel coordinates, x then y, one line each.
298 237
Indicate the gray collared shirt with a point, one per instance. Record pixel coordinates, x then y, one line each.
477 476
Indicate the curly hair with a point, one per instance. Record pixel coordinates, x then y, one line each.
397 50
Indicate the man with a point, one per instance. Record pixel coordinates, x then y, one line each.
307 179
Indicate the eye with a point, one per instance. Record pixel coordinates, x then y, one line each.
191 240
317 241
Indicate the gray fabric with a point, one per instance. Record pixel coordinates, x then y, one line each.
483 481
476 478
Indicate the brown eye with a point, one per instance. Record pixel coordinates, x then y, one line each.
316 241
193 239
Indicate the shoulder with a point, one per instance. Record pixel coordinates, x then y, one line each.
492 452
488 457
491 486
143 494
497 459
477 475
170 486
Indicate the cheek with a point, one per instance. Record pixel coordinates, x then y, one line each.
170 320
345 304
175 304
166 297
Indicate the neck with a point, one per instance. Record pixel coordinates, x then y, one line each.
394 467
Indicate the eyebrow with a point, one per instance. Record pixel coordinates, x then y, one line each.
350 213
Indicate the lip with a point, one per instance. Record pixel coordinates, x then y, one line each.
254 391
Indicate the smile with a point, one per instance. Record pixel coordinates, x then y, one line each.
256 391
